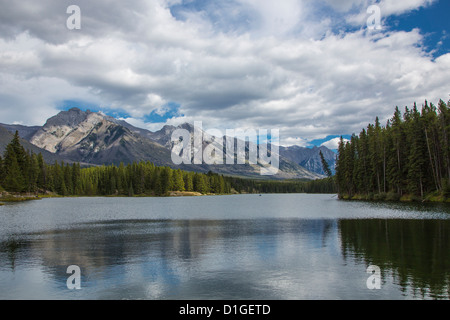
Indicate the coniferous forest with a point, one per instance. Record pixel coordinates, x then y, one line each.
408 159
24 172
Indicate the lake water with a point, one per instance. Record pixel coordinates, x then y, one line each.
249 247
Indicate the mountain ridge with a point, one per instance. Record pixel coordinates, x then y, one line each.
98 139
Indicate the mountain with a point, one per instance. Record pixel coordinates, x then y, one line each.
7 135
287 168
97 139
93 138
24 131
309 158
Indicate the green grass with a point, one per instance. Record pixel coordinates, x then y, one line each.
18 198
393 197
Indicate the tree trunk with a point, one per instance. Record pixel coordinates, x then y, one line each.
431 161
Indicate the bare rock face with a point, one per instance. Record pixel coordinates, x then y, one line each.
309 158
93 138
68 129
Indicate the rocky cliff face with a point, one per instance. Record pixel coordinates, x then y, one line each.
94 138
68 129
7 134
309 158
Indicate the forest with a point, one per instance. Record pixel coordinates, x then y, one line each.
408 159
26 172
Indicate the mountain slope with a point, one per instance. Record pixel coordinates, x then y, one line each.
310 158
6 136
287 169
25 132
94 138
91 137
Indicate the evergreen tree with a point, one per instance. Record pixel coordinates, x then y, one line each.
408 156
131 190
165 180
33 173
188 182
2 170
42 174
178 182
325 165
14 180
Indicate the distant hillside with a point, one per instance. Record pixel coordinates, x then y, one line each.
24 132
6 137
309 158
97 139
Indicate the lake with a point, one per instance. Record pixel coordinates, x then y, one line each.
276 246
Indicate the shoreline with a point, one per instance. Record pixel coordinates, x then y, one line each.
6 197
394 198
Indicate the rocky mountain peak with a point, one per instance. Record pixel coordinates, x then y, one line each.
68 128
95 138
71 118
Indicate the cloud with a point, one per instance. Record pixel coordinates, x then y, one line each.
240 63
390 7
333 144
358 15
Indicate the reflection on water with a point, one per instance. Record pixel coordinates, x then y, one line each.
181 258
257 257
417 252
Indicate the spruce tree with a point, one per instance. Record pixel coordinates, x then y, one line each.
2 170
178 182
188 182
14 180
325 165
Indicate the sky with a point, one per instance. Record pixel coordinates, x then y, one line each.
313 69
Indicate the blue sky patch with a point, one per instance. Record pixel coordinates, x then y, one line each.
169 111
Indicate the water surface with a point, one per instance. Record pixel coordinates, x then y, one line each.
224 247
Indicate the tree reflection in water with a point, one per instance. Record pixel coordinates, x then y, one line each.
416 252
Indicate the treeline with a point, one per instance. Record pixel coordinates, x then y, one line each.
327 185
27 172
24 172
409 157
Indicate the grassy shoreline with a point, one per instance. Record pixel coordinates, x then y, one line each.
16 198
6 197
392 197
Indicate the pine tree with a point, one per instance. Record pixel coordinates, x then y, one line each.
417 156
158 187
14 180
340 167
2 170
325 165
131 190
178 182
33 173
68 178
444 138
165 180
396 162
410 155
188 182
42 174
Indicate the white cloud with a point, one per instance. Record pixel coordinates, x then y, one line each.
293 141
283 69
333 144
387 8
390 7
